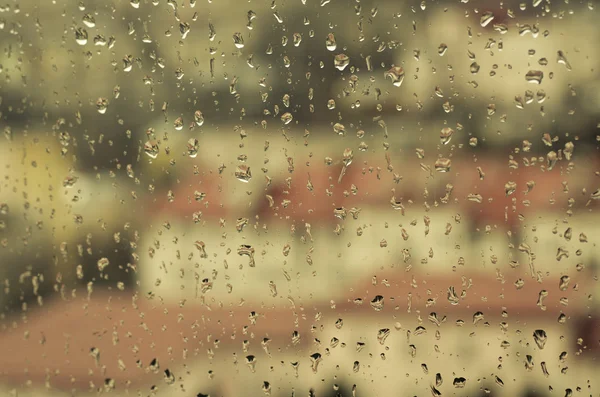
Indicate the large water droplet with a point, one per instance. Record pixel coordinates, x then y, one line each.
396 74
446 135
102 105
443 165
81 36
315 359
287 118
103 263
242 173
562 59
486 18
339 129
330 42
192 147
382 335
151 149
341 61
238 40
442 49
377 303
540 338
534 76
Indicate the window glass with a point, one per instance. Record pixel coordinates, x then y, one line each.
299 198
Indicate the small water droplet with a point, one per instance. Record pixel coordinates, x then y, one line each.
89 20
474 68
540 338
564 283
297 39
247 250
178 123
198 118
551 159
477 317
251 362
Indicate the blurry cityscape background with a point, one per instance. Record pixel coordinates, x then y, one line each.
307 197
